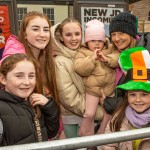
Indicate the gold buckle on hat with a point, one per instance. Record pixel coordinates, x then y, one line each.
139 73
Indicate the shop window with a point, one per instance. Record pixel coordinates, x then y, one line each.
50 13
71 12
21 12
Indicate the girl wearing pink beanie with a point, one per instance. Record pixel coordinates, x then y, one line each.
95 62
95 31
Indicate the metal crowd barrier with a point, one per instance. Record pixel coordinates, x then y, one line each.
83 142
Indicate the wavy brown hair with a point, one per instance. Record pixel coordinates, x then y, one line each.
119 114
45 60
9 63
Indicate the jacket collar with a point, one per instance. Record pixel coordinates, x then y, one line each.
6 96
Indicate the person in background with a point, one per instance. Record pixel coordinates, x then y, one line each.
123 33
134 111
26 115
34 39
66 38
95 62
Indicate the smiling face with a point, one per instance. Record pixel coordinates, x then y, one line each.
21 80
139 100
121 40
37 33
71 35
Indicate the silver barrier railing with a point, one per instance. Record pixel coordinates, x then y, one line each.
83 142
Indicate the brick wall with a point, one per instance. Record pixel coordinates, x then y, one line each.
140 9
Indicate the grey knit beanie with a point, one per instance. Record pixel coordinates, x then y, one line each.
124 22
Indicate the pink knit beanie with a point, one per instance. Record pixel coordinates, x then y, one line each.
94 31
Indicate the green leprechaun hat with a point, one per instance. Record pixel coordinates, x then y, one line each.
135 62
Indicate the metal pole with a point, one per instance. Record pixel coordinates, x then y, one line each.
82 142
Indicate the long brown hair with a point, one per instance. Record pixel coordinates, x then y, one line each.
46 62
119 114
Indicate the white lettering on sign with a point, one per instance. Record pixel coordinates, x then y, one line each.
1 19
103 14
2 39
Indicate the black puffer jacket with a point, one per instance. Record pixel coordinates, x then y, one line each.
18 124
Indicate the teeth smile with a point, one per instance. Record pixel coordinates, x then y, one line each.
139 104
41 40
25 89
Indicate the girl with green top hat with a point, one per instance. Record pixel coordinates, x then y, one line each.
123 34
134 110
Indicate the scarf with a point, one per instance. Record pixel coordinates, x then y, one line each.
137 120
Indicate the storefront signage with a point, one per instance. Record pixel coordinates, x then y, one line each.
4 26
103 14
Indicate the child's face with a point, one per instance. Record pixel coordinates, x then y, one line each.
71 35
38 33
95 44
21 80
139 100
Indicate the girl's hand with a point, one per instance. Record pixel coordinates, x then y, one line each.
102 57
38 99
95 54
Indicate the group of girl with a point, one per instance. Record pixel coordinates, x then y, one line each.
29 102
86 76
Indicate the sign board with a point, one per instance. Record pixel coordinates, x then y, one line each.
103 10
8 21
104 14
4 26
